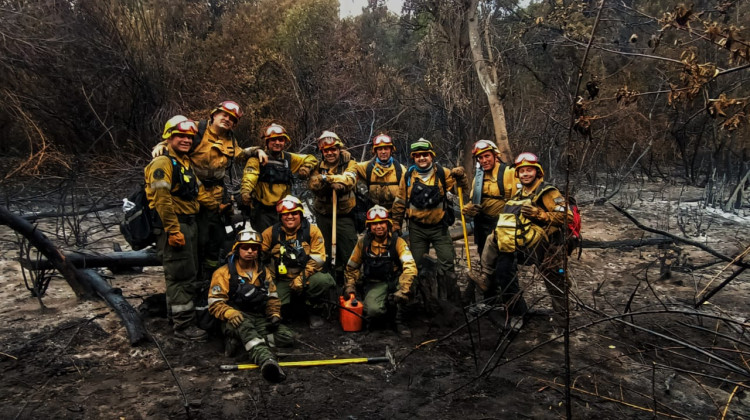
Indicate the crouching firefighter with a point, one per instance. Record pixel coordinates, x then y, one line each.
529 231
176 194
243 296
297 251
387 270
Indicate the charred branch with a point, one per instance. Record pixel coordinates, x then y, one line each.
114 261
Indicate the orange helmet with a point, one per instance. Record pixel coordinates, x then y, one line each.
529 159
274 131
377 214
290 204
382 140
230 107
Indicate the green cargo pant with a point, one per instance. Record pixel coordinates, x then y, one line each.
376 299
180 273
211 236
255 337
346 240
317 288
420 239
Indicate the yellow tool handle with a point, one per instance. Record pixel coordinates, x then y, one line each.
333 231
304 363
463 226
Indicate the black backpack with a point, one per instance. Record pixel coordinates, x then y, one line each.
138 225
449 217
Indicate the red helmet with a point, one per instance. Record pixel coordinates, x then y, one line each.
377 214
382 140
230 107
529 159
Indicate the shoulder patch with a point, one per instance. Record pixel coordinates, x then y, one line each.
159 174
216 290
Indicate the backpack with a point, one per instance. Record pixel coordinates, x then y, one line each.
138 225
575 240
449 217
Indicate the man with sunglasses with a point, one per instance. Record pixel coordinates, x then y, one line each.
424 202
533 234
382 174
264 185
336 172
174 192
211 156
298 252
384 268
243 296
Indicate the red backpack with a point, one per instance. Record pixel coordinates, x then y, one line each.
574 227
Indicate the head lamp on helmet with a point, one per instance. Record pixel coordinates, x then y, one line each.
329 139
382 140
529 159
377 214
230 107
289 204
421 146
482 146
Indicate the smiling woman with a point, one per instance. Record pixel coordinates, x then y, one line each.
350 8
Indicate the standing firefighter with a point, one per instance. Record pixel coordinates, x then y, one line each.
381 174
211 155
384 267
264 185
529 231
243 296
424 202
335 174
298 253
174 192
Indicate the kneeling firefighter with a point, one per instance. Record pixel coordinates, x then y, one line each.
243 296
387 270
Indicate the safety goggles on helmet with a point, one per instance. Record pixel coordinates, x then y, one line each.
528 157
377 214
328 140
382 140
289 204
421 145
275 131
482 146
188 128
230 107
248 236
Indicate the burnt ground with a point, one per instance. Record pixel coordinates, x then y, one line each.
73 360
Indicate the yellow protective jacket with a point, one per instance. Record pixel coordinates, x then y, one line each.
315 249
218 293
429 216
160 191
492 199
270 194
344 173
383 185
551 203
378 248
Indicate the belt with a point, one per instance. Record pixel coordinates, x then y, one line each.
188 219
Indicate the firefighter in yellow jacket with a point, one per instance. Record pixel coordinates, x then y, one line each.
335 173
384 268
211 156
424 203
297 251
243 297
264 185
382 174
175 192
529 231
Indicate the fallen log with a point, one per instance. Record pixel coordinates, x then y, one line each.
41 215
626 243
113 296
114 261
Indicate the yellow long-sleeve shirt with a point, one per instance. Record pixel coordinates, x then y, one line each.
315 249
429 216
346 199
383 185
408 266
270 194
159 190
218 293
493 200
551 204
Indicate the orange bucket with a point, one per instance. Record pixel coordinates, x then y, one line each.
350 321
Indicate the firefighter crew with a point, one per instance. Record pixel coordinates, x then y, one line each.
297 251
424 203
381 174
243 296
174 192
529 231
264 185
384 268
336 172
211 156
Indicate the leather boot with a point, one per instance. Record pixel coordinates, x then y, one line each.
271 371
401 327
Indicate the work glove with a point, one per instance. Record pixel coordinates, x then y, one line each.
533 212
262 157
158 150
273 323
349 291
400 297
316 182
246 199
338 186
458 172
236 319
303 172
297 285
471 209
225 208
176 240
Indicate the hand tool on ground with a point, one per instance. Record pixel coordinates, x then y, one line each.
328 362
333 232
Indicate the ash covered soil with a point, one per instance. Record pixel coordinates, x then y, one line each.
73 359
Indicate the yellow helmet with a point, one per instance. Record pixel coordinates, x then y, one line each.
482 146
187 127
377 214
290 204
421 146
247 236
529 159
329 139
171 123
382 140
273 131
